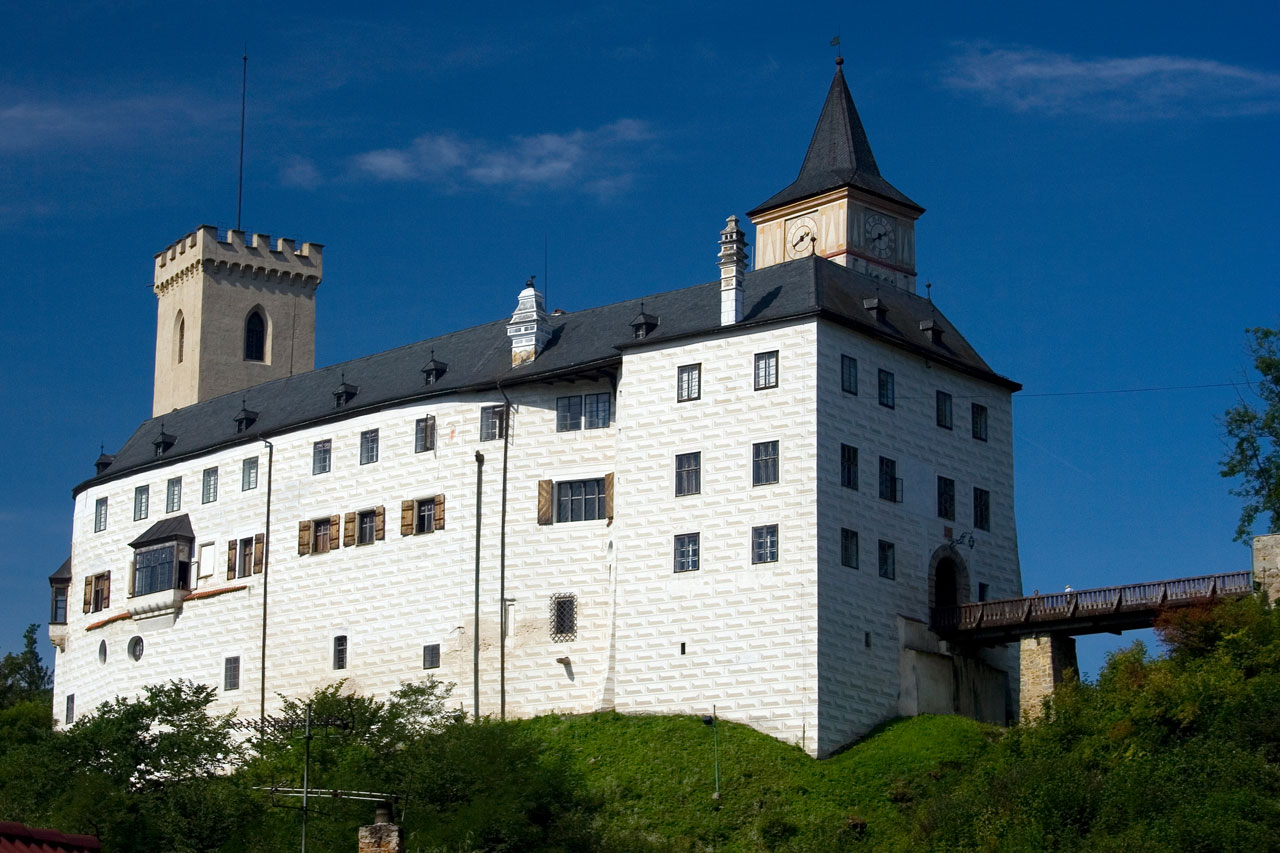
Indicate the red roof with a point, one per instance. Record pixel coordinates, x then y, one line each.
16 838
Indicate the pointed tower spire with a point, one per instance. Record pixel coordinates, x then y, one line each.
839 155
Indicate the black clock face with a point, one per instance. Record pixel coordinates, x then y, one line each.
801 237
879 235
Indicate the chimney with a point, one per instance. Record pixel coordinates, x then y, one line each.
733 269
528 328
382 836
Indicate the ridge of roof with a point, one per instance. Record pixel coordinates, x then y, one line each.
839 155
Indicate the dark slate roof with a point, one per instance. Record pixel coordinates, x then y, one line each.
62 574
581 341
839 155
166 530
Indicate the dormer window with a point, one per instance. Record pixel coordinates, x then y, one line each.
877 308
434 369
932 329
345 394
104 462
245 418
643 325
163 442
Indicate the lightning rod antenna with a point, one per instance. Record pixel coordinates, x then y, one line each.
244 81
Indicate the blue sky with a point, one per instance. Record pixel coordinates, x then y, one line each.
1100 179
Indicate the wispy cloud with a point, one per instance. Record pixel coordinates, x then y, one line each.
593 161
31 124
1142 87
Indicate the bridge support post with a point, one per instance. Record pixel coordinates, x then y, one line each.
1266 564
1046 660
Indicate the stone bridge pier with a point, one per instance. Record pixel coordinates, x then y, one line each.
1047 659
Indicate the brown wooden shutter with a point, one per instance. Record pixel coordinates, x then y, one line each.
335 531
259 546
304 538
406 518
349 531
231 559
106 590
437 523
545 488
88 594
608 496
380 523
132 565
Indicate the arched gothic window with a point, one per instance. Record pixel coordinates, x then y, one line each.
255 337
182 336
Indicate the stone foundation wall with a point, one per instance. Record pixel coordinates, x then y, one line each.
1046 660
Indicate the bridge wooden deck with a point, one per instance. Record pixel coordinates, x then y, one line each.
1087 611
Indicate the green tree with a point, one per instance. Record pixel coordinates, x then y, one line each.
23 677
1253 433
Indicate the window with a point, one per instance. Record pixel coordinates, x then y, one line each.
580 500
947 498
100 515
160 567
340 651
890 483
886 389
764 463
984 591
136 647
687 552
688 474
849 374
888 560
255 337
321 536
848 466
688 382
244 565
564 617
173 495
568 414
766 370
944 410
249 474
231 673
321 456
493 423
424 434
58 608
848 548
981 509
368 446
431 656
367 530
182 336
979 422
71 709
597 410
141 502
97 592
209 493
764 544
424 515
102 652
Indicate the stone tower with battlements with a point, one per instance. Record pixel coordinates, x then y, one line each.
231 314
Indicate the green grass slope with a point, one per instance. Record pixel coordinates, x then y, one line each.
651 780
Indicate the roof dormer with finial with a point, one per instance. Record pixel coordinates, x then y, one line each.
840 207
528 329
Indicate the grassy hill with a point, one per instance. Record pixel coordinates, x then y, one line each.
651 779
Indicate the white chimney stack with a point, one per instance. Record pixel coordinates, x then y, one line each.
733 271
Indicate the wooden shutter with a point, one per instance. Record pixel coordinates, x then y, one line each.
106 590
335 531
259 546
132 565
88 594
545 489
406 518
379 523
438 521
231 559
608 496
349 531
304 538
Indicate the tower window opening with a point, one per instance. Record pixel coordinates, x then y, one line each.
255 337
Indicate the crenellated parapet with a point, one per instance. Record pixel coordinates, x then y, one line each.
206 251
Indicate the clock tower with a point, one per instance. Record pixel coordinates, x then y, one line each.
840 207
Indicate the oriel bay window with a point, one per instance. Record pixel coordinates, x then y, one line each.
575 500
160 567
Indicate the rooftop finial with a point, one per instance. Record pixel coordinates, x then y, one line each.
928 290
529 283
835 42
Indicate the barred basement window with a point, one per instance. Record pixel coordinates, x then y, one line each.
231 673
424 434
100 515
848 548
209 493
688 382
141 502
580 500
849 374
688 474
564 617
981 509
947 498
766 370
687 552
493 423
368 446
886 389
944 410
979 415
431 656
764 544
849 467
764 463
173 495
888 560
340 651
249 474
321 456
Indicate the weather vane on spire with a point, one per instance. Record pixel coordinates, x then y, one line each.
835 42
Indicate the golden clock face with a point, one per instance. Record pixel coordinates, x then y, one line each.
879 235
802 237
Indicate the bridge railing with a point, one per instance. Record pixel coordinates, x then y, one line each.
1085 603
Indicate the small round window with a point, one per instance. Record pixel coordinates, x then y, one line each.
102 652
135 648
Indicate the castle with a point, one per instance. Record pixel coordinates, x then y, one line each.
747 493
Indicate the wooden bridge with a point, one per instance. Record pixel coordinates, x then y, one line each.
1088 611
